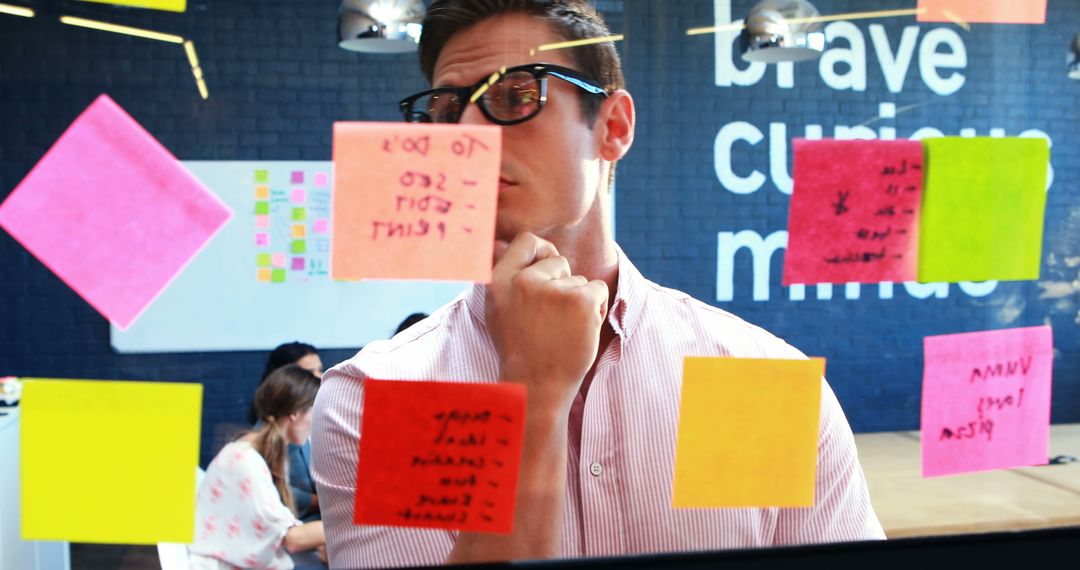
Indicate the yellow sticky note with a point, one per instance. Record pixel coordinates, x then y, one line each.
168 5
109 462
748 432
262 192
299 230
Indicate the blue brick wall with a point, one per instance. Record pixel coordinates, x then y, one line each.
277 81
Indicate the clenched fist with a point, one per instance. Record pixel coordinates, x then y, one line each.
544 321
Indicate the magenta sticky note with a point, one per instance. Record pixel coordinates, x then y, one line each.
320 225
299 195
986 400
297 177
321 180
854 214
262 238
112 212
262 221
278 259
298 263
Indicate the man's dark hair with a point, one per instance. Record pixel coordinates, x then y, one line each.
569 20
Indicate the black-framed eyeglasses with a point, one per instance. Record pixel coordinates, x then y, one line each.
510 96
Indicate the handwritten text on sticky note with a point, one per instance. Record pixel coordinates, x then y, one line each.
748 432
854 212
414 201
440 455
982 11
986 400
141 491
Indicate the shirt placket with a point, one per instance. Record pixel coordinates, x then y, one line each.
599 467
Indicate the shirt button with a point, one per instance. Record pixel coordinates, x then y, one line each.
596 469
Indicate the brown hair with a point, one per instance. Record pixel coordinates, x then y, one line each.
286 390
569 20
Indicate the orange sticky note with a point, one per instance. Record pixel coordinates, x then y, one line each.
983 11
440 455
748 432
414 201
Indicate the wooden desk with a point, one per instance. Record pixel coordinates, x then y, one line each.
908 505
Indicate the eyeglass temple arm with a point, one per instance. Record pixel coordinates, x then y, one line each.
580 83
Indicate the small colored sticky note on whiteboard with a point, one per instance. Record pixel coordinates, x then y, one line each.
854 213
982 11
414 201
440 455
140 491
983 209
748 432
112 213
986 400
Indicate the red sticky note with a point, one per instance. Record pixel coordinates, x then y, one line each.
854 214
112 212
983 11
986 400
440 455
414 201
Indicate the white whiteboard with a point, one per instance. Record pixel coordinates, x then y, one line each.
219 302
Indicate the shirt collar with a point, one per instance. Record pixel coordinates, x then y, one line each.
630 292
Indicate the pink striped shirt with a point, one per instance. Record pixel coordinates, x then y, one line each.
620 473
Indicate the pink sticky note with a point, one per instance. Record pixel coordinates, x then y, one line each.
297 177
298 264
262 221
854 214
319 226
262 238
299 195
277 259
112 213
321 179
986 400
414 201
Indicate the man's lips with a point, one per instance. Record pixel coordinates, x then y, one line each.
504 183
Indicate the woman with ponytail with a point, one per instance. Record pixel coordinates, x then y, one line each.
245 516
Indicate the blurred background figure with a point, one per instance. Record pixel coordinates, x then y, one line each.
244 511
303 488
410 321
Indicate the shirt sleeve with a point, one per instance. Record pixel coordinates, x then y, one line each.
842 509
335 454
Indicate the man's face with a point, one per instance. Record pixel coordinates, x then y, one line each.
550 170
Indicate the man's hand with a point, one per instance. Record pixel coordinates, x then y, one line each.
544 321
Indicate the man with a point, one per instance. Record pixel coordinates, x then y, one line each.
598 347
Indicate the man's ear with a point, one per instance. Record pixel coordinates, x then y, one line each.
615 125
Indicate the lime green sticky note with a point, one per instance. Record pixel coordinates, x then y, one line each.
262 208
299 214
299 246
262 177
983 207
278 275
748 433
109 462
262 260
